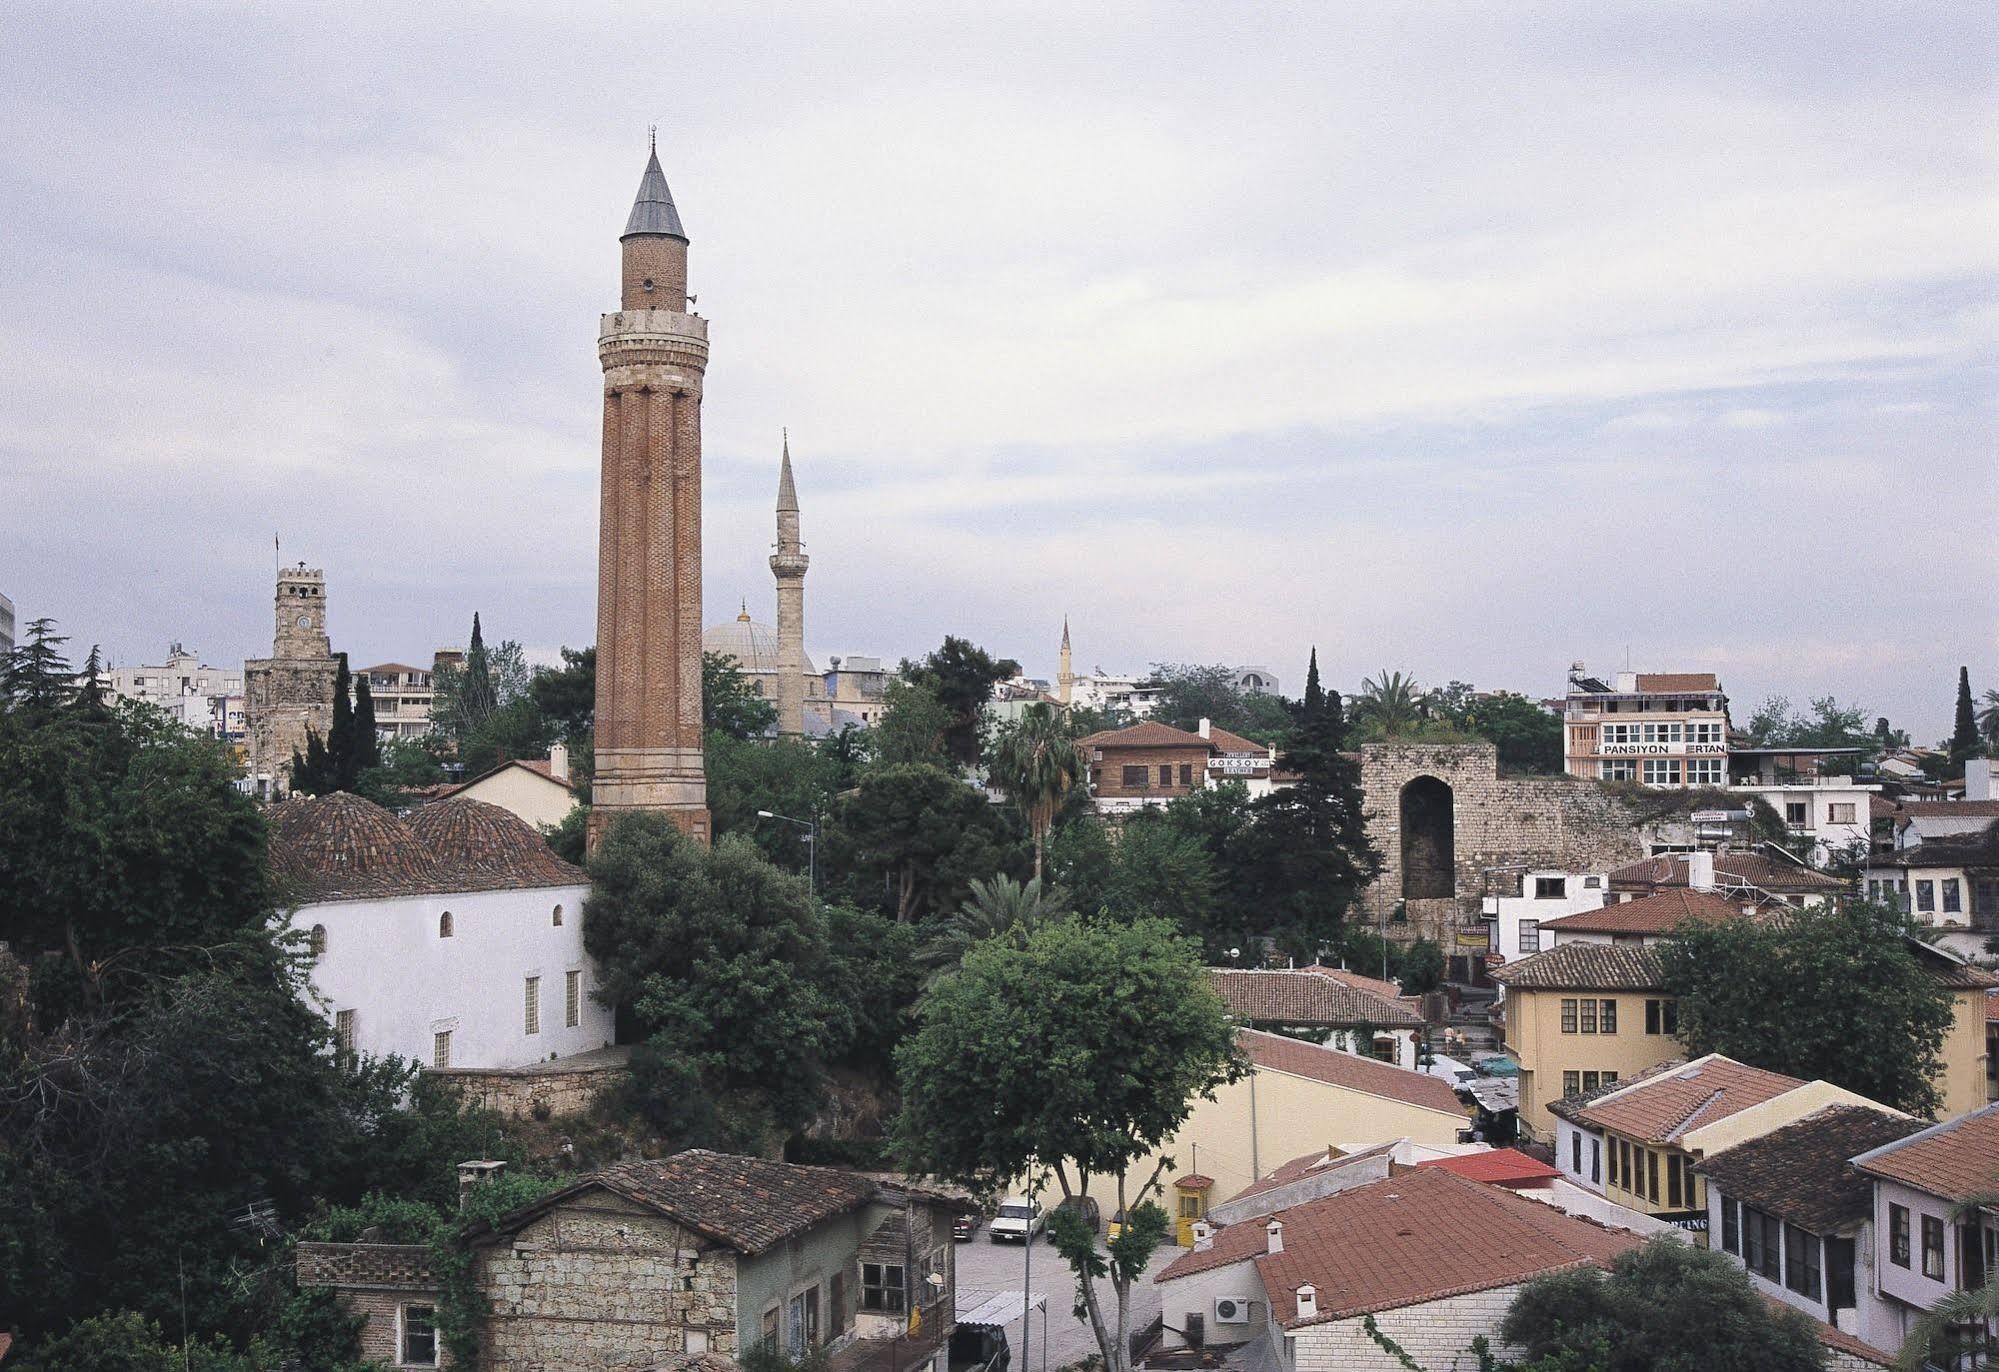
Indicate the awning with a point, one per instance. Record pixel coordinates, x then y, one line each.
995 1307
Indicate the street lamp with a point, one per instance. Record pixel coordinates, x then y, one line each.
811 828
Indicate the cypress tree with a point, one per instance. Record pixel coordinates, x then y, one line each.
340 748
367 747
1964 729
477 696
1315 697
315 774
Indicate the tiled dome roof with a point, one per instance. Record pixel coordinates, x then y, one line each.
480 847
341 847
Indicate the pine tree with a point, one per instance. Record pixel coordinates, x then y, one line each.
89 700
37 676
367 746
1964 729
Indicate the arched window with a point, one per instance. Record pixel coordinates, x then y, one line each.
317 941
1429 840
444 925
556 918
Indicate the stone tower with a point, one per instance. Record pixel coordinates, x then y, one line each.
1065 678
654 353
788 565
290 692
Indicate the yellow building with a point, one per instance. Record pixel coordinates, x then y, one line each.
1965 1080
1582 1016
1297 1098
536 789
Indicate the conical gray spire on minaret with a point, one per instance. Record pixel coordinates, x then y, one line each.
653 211
787 493
788 566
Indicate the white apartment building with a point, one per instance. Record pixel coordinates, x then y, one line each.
1658 728
194 693
1138 696
1833 814
1529 899
402 697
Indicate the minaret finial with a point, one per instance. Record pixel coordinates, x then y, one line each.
652 138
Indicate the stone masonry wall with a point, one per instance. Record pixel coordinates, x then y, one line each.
600 1283
516 1092
374 1281
1437 1334
282 699
1560 822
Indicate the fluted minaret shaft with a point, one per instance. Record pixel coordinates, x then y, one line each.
788 565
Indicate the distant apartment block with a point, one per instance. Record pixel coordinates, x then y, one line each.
1658 728
6 625
201 697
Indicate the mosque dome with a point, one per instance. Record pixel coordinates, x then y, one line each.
341 847
752 644
481 847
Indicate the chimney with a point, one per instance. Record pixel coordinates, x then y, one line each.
558 761
1204 1236
1207 727
1308 1302
1627 682
1276 1231
1700 871
471 1173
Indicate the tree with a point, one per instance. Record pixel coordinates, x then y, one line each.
314 773
1035 762
1389 705
786 776
1527 738
479 696
1081 858
1190 693
567 695
721 959
961 676
921 832
911 727
1663 1307
999 908
36 676
1782 997
367 743
343 756
1161 871
730 702
1080 1051
1776 724
1964 736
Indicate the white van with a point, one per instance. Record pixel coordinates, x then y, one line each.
1018 1220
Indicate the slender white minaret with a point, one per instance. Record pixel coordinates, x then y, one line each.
1065 680
788 565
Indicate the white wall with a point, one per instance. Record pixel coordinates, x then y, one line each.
1830 836
1908 1284
1197 1294
1437 1334
1567 1137
1871 1319
385 961
1578 896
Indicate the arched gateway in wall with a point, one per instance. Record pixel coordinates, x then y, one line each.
1429 840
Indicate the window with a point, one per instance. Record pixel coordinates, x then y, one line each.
1898 1234
1620 733
1662 1017
881 1287
1926 895
1572 1083
1592 1080
1662 771
344 1034
572 999
1190 1207
1795 813
444 925
1551 888
1675 1198
1839 813
1624 1167
1651 1176
770 1328
1576 1154
1592 883
419 1336
1704 771
1839 1294
1530 935
1186 774
1568 1015
1985 898
1661 733
1165 774
1752 1239
1588 1023
1953 896
317 941
440 1048
836 1304
556 917
1617 769
531 1017
1731 1226
1933 1247
1616 1176
1607 1017
1704 731
1596 1160
1137 776
1801 1262
1762 1240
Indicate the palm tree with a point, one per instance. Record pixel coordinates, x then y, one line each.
1036 764
999 907
1389 704
1957 1332
1988 718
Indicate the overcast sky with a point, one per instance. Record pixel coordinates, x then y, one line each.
1460 340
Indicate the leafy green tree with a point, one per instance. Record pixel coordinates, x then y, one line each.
1081 858
999 908
1422 967
720 959
566 696
912 726
35 676
1527 738
1160 871
961 676
314 773
1663 1307
1389 705
1964 737
1035 763
402 766
786 776
730 701
1190 693
1782 997
917 835
1082 1051
479 696
1829 724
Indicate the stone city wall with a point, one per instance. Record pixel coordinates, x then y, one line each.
532 1092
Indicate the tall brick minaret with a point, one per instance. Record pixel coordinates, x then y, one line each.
654 354
788 565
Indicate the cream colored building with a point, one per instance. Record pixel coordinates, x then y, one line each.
1297 1097
535 789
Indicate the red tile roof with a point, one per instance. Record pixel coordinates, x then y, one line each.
1418 1236
1296 997
1391 990
538 765
341 847
1664 1108
1274 1053
1947 809
1957 1159
1678 681
1148 733
1670 869
1658 913
1235 743
1586 967
1992 1007
1497 1166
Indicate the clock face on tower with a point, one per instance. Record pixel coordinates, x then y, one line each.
305 621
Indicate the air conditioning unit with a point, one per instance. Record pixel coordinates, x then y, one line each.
1229 1310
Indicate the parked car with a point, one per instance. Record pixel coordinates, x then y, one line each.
1017 1221
1086 1209
1116 1225
965 1225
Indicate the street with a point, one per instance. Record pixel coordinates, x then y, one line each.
987 1266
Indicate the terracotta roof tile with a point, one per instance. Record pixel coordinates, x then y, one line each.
1585 967
1801 1173
1275 1053
748 1203
1758 869
481 847
1325 1160
1664 1108
1298 997
1957 1159
1148 733
1678 681
1235 743
1571 1108
341 847
1390 990
1659 913
1418 1236
1497 1166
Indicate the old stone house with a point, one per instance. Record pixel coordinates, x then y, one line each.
649 1264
